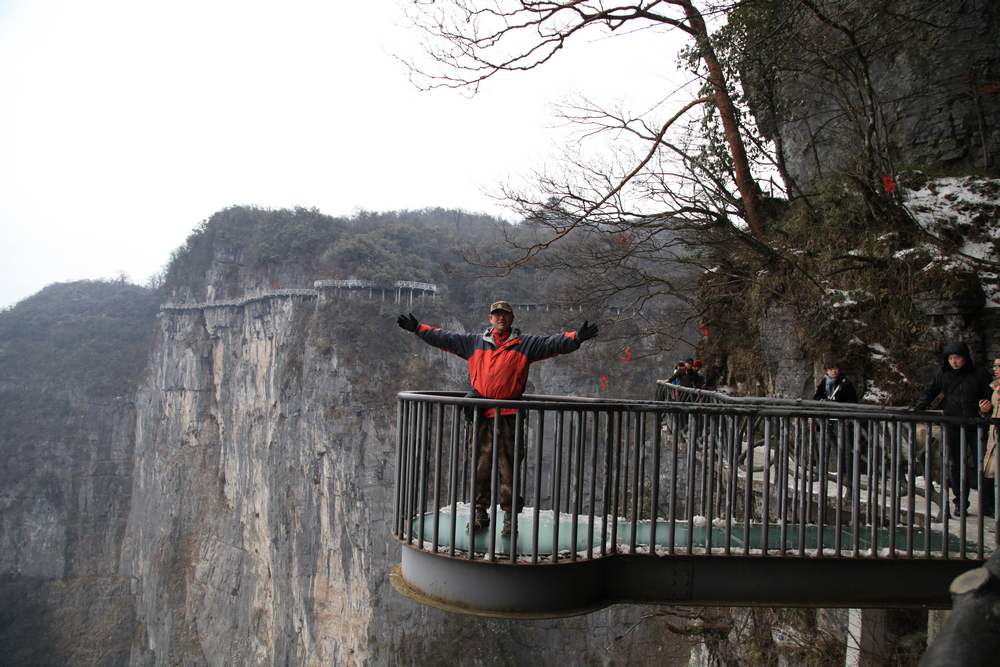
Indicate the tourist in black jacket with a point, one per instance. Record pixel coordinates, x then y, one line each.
963 386
835 386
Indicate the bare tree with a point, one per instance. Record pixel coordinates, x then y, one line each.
472 41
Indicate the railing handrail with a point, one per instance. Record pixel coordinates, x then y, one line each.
721 397
804 408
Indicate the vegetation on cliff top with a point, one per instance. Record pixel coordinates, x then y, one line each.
92 335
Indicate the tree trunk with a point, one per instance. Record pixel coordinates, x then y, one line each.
724 103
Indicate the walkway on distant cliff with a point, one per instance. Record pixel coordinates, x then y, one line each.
695 499
401 291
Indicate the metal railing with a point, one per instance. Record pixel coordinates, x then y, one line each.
704 476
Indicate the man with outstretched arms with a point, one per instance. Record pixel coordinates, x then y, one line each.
498 362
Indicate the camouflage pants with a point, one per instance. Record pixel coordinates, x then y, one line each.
505 461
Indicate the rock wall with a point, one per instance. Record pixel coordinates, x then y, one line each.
259 528
934 73
789 370
66 461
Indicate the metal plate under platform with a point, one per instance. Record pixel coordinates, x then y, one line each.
571 588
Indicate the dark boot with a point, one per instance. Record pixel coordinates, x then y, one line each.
987 496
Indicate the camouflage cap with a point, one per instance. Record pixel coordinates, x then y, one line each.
501 305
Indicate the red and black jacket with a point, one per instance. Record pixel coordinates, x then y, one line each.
499 372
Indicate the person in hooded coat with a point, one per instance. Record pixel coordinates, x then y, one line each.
963 387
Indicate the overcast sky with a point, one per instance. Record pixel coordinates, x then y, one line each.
125 123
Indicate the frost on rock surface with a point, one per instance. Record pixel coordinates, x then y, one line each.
963 214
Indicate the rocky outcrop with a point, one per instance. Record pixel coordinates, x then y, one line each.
918 81
790 372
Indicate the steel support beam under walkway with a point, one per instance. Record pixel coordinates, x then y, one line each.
570 588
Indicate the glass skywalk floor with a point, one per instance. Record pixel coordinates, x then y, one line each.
667 534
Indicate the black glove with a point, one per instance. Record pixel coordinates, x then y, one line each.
587 331
408 322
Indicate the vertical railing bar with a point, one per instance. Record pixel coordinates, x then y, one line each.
766 516
453 477
576 443
593 484
405 471
823 456
710 443
641 421
884 450
720 439
438 438
421 470
929 489
637 431
581 474
798 455
396 509
963 494
701 437
410 458
539 434
874 475
945 488
894 509
783 475
607 499
731 480
868 515
911 488
567 494
557 484
980 518
856 491
654 492
748 491
626 460
840 486
465 453
673 481
692 438
810 472
473 459
516 483
803 445
617 469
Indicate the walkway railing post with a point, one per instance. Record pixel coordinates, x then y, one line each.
535 524
471 498
396 513
516 482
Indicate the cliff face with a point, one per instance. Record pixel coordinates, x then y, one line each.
265 438
229 503
913 84
68 359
